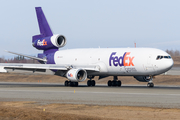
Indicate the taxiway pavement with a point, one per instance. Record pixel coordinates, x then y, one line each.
45 93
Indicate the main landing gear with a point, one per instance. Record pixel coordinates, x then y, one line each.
91 82
69 83
150 83
115 82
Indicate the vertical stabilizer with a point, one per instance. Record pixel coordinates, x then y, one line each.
45 30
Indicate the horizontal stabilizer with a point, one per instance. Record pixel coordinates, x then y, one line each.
35 58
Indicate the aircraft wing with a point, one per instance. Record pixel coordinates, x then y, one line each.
43 67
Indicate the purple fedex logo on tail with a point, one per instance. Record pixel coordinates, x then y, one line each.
124 60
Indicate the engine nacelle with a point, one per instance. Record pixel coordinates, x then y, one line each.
143 78
55 41
76 75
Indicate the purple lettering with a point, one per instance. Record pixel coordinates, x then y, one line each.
111 58
115 61
120 61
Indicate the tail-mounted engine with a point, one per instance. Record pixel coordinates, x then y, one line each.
55 41
143 78
76 75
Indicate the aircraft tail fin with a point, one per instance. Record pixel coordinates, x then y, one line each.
45 30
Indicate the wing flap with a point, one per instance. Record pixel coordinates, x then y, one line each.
32 67
43 67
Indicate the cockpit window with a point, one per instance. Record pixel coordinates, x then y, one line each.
158 57
163 57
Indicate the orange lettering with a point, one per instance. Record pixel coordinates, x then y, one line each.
126 58
44 42
130 61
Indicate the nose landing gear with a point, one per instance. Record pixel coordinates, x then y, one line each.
150 83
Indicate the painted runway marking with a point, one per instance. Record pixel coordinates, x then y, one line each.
83 92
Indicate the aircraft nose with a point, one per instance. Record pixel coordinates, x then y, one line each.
169 64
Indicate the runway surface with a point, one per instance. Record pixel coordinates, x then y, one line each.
174 71
127 95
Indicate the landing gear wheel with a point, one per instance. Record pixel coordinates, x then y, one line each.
88 83
114 83
69 83
119 83
91 83
109 83
74 84
66 83
150 84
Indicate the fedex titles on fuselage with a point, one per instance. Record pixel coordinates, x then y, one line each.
124 60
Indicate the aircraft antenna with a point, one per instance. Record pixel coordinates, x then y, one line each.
135 44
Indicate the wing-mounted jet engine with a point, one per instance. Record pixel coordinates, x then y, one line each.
75 76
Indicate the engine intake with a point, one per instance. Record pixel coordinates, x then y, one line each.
76 75
58 40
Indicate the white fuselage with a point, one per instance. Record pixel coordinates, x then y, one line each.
114 61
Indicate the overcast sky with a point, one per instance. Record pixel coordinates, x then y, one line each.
92 23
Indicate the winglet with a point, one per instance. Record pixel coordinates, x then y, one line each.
44 27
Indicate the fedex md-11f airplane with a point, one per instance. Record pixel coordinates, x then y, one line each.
79 64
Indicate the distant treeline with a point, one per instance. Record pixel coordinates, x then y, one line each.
173 52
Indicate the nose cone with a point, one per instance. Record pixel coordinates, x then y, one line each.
169 64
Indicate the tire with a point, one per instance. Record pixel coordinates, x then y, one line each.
114 83
119 83
93 83
66 83
71 83
88 83
76 84
151 84
109 83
